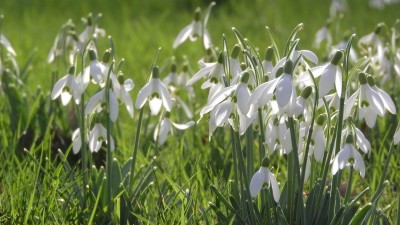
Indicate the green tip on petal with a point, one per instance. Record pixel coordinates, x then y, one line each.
337 57
265 162
269 54
221 58
106 56
349 139
371 80
92 55
362 78
279 72
306 92
321 119
156 72
245 77
197 14
235 52
288 68
173 68
71 70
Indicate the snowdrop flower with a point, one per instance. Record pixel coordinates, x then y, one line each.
156 92
234 65
214 72
302 101
348 156
361 142
337 7
121 89
193 31
97 69
98 101
323 34
91 29
262 176
372 40
66 87
97 136
369 102
6 44
285 92
318 140
165 128
343 45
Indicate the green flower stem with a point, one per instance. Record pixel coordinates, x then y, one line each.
249 152
235 165
136 147
109 158
349 183
295 172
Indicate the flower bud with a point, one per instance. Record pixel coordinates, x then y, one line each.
269 54
71 70
371 80
92 55
156 72
197 14
336 58
288 68
235 51
106 56
362 78
306 92
245 78
265 162
349 139
221 58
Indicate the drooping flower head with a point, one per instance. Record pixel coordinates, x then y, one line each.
264 176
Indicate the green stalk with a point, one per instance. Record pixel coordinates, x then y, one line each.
249 149
348 189
109 158
136 147
296 172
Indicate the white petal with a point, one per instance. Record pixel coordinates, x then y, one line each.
128 85
327 80
202 73
319 145
76 141
374 100
396 137
309 55
341 158
223 112
207 39
114 109
93 102
359 163
58 87
185 108
165 96
338 81
222 94
370 117
126 98
257 181
143 95
362 142
165 128
183 126
386 99
65 97
275 187
283 90
348 105
243 96
183 35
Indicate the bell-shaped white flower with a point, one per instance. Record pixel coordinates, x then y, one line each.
214 72
348 156
193 31
285 92
267 63
156 92
303 102
165 128
121 89
98 101
91 29
264 176
323 35
337 7
97 69
66 87
97 136
331 74
361 142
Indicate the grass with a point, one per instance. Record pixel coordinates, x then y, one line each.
34 186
